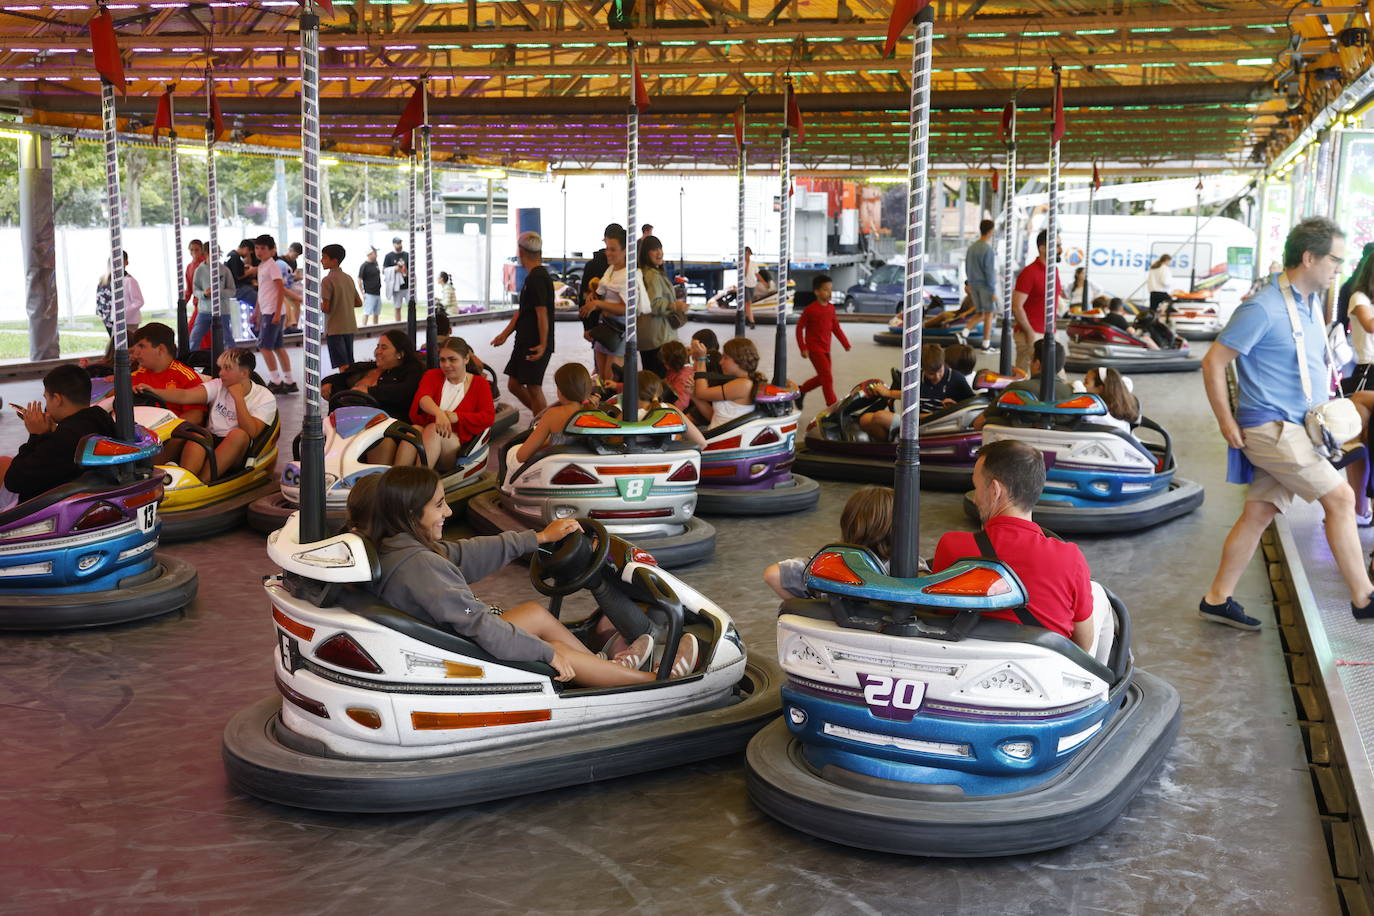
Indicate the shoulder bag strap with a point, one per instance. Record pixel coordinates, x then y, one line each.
1299 345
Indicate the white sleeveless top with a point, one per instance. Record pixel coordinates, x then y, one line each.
725 411
1361 340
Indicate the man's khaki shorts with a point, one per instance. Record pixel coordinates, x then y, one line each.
1286 465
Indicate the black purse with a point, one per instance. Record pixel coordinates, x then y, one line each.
607 336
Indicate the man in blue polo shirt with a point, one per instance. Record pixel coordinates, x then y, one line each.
1268 423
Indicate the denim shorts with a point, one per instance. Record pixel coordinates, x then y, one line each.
269 333
372 304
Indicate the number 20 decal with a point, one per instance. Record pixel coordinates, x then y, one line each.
896 699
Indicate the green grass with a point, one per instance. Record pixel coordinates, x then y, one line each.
84 336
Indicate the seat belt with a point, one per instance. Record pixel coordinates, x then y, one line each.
988 552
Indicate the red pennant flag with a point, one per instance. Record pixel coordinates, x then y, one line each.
903 11
412 117
216 116
1004 126
106 49
641 100
1060 127
739 127
163 121
794 117
996 180
1097 178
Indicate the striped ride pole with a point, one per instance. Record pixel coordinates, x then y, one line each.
1049 366
784 239
1007 360
630 398
123 387
212 214
182 288
906 533
741 284
411 192
312 518
431 323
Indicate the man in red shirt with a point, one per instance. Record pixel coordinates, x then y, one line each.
1028 301
154 347
1007 481
814 329
188 289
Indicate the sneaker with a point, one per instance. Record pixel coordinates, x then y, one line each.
637 654
276 387
1365 519
1363 613
1232 614
289 387
985 345
688 652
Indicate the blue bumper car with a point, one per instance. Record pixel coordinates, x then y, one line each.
915 722
84 554
1098 479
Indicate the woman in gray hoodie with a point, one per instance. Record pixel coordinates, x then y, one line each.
427 577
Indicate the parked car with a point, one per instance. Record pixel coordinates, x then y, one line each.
882 292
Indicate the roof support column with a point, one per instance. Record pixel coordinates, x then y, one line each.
37 238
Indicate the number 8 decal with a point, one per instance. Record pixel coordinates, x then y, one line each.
634 489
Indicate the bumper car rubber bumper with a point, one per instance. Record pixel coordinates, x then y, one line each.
271 511
263 759
727 316
831 466
1134 365
908 819
798 495
1182 497
172 587
888 338
214 518
487 515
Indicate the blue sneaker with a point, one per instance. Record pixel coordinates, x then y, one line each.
1232 614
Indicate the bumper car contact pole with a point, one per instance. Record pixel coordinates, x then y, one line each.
312 522
906 534
741 281
1050 367
183 291
431 329
784 238
212 214
1088 236
123 389
629 398
1008 361
410 263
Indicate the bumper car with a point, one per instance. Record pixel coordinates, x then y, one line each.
377 711
914 724
84 554
1194 317
1098 480
1096 343
721 309
746 467
350 431
631 477
836 448
192 508
945 334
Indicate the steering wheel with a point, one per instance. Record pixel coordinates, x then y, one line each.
148 399
351 398
573 556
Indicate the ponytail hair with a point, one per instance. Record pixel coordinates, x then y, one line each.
745 355
1121 403
651 388
574 382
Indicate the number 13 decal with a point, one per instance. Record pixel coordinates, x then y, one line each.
895 699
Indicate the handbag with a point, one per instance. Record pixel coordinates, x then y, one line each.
609 337
1334 422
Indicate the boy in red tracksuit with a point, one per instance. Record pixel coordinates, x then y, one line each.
814 328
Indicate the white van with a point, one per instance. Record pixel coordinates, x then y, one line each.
1124 247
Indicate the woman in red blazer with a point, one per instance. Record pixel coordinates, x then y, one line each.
451 405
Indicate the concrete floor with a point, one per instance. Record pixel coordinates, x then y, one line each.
115 800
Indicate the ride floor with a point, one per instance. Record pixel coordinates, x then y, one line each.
114 798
